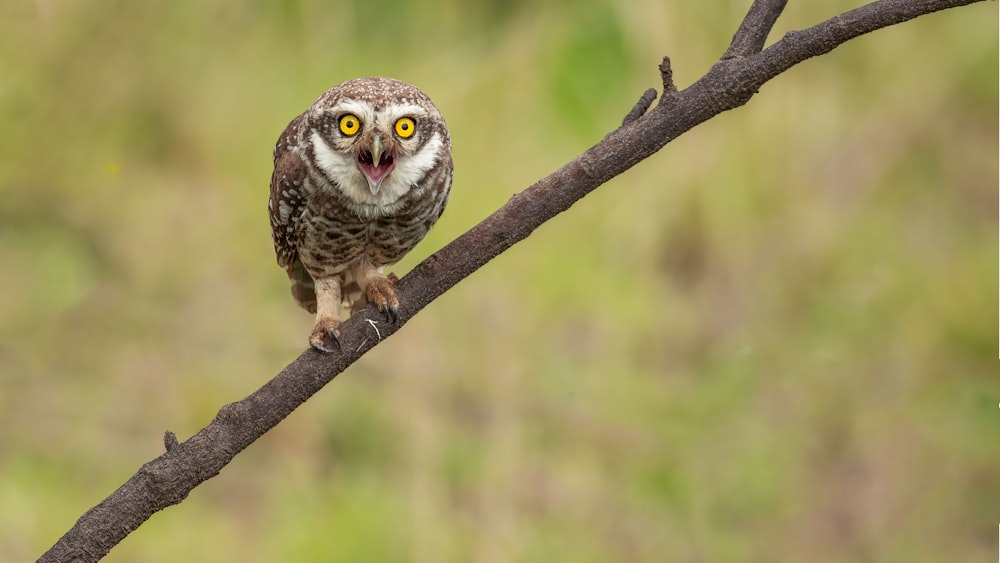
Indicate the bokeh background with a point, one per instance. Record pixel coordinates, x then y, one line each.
774 340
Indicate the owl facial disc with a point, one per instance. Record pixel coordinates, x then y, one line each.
375 163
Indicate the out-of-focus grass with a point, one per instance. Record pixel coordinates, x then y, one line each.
771 341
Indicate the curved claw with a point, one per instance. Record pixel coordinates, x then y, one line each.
318 337
380 291
321 344
392 314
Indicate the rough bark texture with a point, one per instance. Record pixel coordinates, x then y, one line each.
730 83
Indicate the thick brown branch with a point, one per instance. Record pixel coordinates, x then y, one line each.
744 68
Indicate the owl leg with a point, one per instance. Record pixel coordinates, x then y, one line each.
327 314
379 289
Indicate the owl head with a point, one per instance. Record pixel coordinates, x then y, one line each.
374 139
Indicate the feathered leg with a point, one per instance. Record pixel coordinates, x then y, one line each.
327 314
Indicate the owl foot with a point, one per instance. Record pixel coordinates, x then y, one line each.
380 291
324 331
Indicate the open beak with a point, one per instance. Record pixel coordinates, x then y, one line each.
375 163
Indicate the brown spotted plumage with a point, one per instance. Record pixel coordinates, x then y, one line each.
359 179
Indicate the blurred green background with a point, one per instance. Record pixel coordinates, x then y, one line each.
775 340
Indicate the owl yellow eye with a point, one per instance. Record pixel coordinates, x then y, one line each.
349 125
405 127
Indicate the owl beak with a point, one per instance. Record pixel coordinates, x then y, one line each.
375 164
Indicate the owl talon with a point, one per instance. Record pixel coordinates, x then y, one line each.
321 331
392 314
380 292
323 348
319 342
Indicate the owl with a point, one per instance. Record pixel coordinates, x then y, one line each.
359 179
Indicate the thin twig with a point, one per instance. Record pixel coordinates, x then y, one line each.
667 76
640 107
752 33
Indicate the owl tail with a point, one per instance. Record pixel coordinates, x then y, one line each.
303 288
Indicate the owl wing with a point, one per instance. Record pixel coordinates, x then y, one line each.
287 201
286 206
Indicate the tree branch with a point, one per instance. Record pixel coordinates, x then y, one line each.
752 33
640 107
730 83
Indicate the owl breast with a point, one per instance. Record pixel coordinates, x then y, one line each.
339 233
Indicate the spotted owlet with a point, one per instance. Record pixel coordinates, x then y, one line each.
359 179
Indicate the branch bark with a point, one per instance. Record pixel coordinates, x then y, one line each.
730 83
